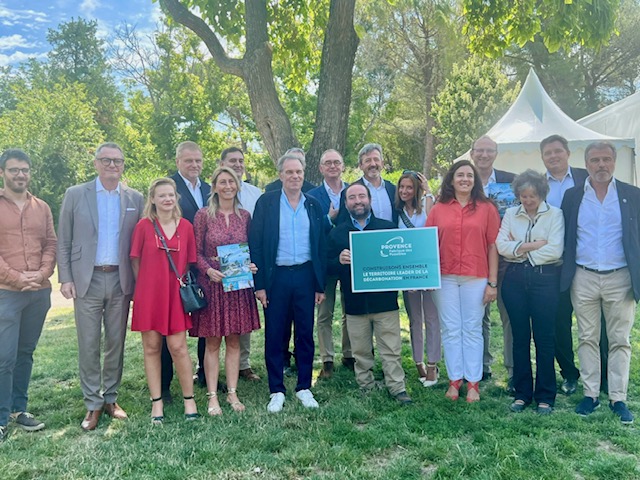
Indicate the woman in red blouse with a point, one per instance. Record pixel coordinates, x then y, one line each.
468 225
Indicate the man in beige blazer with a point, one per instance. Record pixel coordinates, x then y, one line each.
97 219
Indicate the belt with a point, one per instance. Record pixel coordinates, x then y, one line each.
295 267
106 268
600 272
542 269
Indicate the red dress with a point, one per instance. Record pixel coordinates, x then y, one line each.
227 313
156 300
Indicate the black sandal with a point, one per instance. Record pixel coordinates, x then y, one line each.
191 416
159 420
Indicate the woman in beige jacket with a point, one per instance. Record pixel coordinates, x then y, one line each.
531 238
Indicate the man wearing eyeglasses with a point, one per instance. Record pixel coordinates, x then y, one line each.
27 258
483 153
97 219
328 194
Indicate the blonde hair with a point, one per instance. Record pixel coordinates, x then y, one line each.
214 201
150 211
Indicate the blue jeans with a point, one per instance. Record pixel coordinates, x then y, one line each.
531 295
22 316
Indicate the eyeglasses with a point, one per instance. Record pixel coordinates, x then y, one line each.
15 171
118 162
329 163
412 173
488 151
161 246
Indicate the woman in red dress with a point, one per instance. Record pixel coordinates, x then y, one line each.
228 314
157 307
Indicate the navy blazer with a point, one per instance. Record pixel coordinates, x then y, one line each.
629 199
343 214
187 202
579 176
264 235
504 177
320 194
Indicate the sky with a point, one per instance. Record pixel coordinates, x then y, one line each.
24 23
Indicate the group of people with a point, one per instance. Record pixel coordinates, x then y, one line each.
573 242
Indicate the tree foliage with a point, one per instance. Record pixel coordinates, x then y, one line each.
78 56
475 96
56 127
494 26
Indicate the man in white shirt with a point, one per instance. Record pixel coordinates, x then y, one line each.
602 269
233 157
483 153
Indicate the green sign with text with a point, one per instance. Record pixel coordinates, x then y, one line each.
403 259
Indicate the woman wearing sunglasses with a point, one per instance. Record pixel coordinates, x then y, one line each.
157 306
413 202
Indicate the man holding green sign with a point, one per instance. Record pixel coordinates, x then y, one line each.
368 314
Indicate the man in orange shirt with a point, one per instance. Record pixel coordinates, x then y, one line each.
27 258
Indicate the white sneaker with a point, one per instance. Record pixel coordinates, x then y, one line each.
276 403
306 398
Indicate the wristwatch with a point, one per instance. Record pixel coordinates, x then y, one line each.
492 284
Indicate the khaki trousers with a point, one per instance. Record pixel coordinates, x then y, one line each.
324 324
386 328
592 293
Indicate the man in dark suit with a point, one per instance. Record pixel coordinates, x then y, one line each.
483 153
328 194
383 193
97 219
194 194
561 177
286 241
601 266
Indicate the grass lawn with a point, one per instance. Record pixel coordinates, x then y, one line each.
349 436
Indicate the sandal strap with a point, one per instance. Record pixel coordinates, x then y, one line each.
156 399
231 390
189 398
212 394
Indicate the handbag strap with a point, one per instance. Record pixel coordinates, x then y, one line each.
166 249
405 219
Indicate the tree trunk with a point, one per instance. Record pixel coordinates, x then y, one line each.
334 91
254 68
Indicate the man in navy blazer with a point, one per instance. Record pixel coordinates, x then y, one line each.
383 192
555 154
194 194
328 194
601 267
287 244
483 153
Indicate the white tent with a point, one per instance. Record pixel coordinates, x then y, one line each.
621 119
533 117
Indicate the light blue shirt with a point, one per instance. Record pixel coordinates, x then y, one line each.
294 245
107 252
380 201
557 188
196 193
357 224
334 197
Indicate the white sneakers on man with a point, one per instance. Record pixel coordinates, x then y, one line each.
276 403
306 398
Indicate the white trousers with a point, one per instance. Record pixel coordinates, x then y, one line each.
460 306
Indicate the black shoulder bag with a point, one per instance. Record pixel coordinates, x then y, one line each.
191 293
